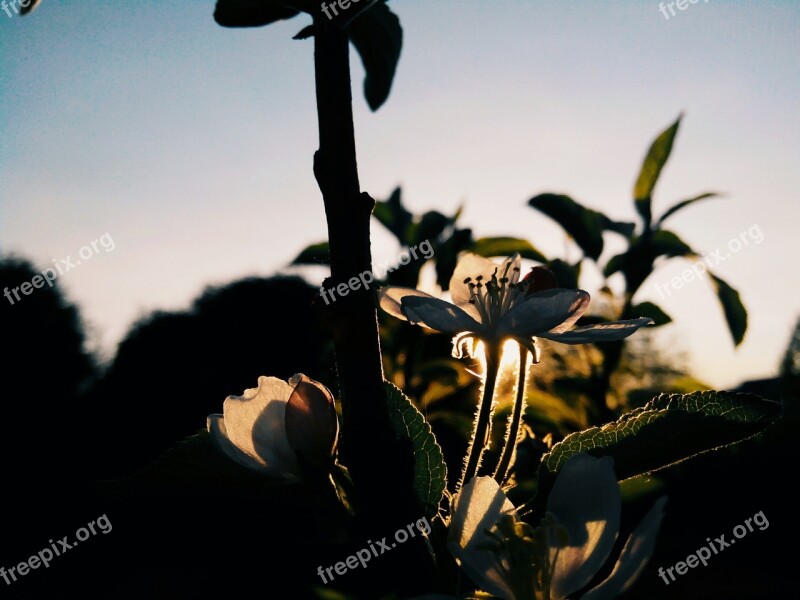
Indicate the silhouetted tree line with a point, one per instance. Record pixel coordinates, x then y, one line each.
70 422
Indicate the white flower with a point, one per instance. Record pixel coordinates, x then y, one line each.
491 303
575 540
273 427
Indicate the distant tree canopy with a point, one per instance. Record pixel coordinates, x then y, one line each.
45 366
173 369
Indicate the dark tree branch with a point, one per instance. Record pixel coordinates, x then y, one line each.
381 469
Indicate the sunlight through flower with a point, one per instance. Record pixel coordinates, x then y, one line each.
514 561
491 303
278 425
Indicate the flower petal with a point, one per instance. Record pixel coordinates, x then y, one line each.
635 555
219 435
469 265
542 311
311 423
473 266
390 299
255 424
477 508
601 332
585 501
438 314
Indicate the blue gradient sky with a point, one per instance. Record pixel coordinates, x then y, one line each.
191 145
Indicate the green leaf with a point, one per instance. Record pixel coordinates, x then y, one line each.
653 311
378 38
447 255
623 228
430 471
567 275
735 312
585 225
305 33
250 13
315 254
615 263
637 262
430 227
666 243
684 204
507 246
654 161
667 430
392 214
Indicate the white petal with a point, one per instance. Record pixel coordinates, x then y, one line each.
469 265
390 299
635 555
478 507
514 269
585 500
438 314
216 427
254 423
543 311
601 332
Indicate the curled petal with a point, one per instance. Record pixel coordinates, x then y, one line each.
438 314
540 279
391 298
529 344
478 508
602 332
254 423
311 423
543 311
634 557
585 501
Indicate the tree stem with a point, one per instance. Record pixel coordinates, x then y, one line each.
380 470
514 420
483 422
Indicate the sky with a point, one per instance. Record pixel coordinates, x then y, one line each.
190 146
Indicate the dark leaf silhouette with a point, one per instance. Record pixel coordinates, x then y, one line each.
585 225
684 203
251 13
506 246
315 254
735 312
378 37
